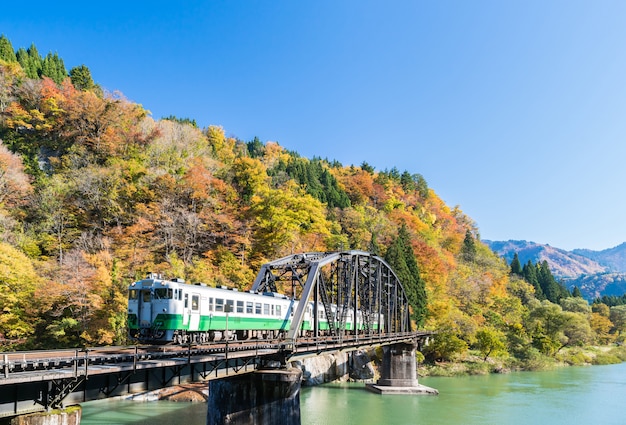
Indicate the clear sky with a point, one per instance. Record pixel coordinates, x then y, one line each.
513 110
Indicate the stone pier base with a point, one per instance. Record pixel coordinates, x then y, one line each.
69 416
417 389
399 372
259 398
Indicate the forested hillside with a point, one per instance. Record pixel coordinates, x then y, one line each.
95 193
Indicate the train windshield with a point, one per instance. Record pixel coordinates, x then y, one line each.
133 294
163 294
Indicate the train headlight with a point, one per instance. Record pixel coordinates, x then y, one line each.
164 310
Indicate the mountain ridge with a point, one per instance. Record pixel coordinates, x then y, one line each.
595 273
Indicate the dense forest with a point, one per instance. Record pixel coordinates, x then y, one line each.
95 193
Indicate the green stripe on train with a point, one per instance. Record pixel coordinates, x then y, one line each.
218 322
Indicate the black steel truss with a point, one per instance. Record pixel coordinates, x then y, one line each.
353 282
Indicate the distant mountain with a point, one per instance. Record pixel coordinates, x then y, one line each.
596 273
613 258
563 264
596 285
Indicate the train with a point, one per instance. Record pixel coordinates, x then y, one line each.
173 311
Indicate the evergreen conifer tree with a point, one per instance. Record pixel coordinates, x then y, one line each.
30 61
6 50
576 292
401 258
81 78
22 58
407 182
530 275
468 251
516 266
53 67
374 247
548 284
256 148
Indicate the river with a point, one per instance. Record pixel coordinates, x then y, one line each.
570 395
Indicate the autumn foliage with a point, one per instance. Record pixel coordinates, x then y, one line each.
95 193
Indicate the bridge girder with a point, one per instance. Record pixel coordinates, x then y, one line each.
350 280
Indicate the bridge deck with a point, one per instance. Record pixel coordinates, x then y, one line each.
36 381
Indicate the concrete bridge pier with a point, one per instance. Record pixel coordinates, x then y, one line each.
263 397
398 373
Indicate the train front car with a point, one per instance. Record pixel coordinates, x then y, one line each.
154 305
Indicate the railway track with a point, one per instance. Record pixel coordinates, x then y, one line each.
40 360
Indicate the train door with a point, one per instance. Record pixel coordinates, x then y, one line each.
145 308
194 318
186 310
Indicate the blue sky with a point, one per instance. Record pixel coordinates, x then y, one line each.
513 110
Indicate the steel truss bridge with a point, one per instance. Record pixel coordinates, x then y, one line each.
349 282
344 283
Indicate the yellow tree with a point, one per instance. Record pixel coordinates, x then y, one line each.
287 220
18 283
250 176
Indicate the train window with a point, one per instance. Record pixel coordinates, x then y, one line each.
133 294
180 294
230 304
219 304
266 309
186 300
249 307
278 308
272 310
163 293
210 304
145 294
239 306
257 308
195 302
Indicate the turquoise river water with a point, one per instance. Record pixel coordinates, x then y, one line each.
571 395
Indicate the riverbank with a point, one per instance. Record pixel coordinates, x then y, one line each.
473 364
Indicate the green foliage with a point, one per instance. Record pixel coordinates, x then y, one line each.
516 267
575 304
490 342
611 300
315 178
31 61
81 78
7 53
547 282
445 346
530 275
189 121
606 359
468 251
367 168
53 67
256 149
401 258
